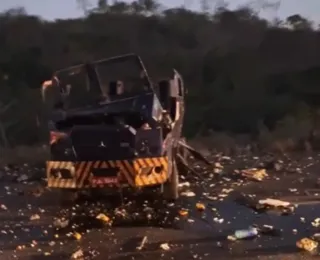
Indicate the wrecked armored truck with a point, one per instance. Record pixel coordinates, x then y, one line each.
117 130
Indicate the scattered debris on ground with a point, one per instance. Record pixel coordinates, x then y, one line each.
200 206
77 235
77 255
269 230
316 222
61 223
188 194
243 234
165 246
309 245
220 187
35 217
265 205
23 178
143 242
183 212
104 218
254 174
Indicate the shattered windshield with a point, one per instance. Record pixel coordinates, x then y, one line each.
81 88
123 71
74 84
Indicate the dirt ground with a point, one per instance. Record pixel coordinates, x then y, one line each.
28 212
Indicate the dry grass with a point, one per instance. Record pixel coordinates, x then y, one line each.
222 142
23 154
290 135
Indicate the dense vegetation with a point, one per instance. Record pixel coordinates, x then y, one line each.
244 74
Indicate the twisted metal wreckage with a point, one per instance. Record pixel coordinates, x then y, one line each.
126 134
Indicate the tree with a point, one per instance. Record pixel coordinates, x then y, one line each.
17 11
136 7
103 4
85 6
297 22
226 59
149 6
119 7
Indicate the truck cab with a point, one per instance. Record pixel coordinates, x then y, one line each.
109 127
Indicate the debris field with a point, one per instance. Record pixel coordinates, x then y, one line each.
242 207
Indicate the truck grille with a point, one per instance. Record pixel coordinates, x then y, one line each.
102 143
109 172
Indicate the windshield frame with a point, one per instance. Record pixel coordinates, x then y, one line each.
94 64
92 76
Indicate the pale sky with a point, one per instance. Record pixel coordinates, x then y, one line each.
52 9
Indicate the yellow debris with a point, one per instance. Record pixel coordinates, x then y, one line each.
307 244
255 174
200 206
77 235
103 218
183 212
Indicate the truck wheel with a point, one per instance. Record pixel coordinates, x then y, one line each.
171 187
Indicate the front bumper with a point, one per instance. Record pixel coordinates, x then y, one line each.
139 172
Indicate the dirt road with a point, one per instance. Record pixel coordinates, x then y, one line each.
168 235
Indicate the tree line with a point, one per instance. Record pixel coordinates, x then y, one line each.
242 72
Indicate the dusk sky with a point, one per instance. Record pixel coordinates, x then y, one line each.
52 9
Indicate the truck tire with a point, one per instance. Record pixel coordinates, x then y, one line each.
171 187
